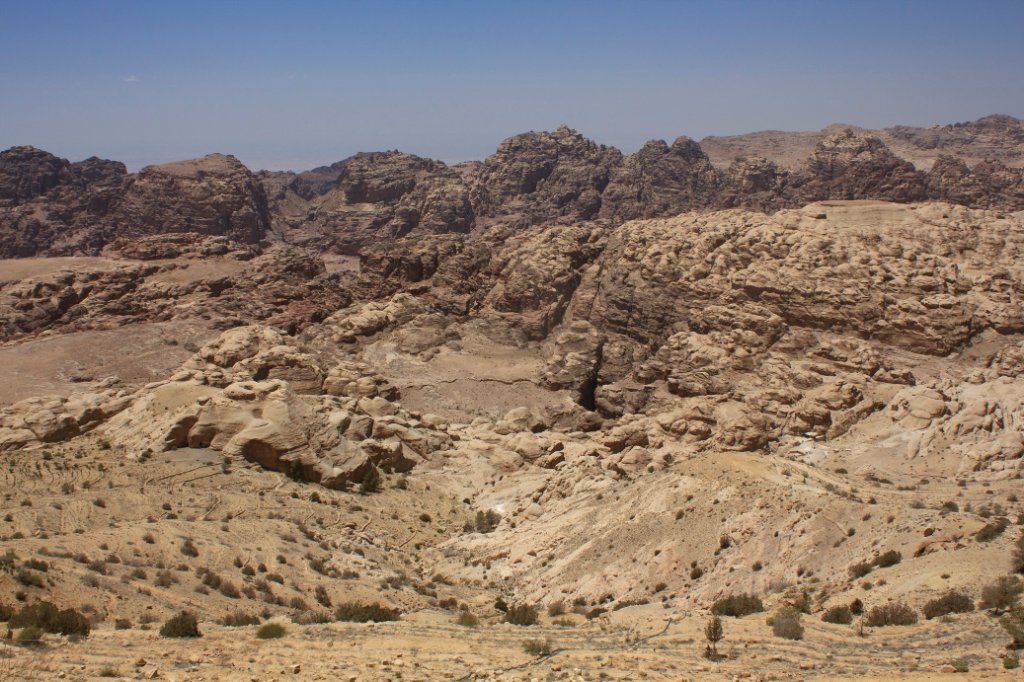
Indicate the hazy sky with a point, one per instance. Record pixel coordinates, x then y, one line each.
296 84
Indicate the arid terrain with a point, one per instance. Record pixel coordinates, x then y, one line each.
549 412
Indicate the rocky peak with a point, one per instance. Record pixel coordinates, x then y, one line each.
27 172
538 177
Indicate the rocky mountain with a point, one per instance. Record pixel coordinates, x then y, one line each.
50 206
989 138
610 394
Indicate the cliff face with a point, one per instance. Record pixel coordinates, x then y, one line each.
49 206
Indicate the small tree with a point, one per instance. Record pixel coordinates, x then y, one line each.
713 632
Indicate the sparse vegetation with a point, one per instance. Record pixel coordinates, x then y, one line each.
353 612
1002 594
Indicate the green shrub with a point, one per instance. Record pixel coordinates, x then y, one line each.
951 602
181 626
352 612
840 615
537 647
896 613
521 614
271 631
737 605
49 618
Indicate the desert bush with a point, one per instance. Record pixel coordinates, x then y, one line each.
856 607
1002 594
122 624
312 617
29 635
1018 555
785 623
840 615
487 521
521 614
896 613
860 569
1011 662
49 618
239 619
188 548
537 647
951 602
183 625
229 590
696 572
322 597
365 613
165 579
467 619
271 631
371 482
992 529
556 608
737 605
887 559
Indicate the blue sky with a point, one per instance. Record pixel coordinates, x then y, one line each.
297 84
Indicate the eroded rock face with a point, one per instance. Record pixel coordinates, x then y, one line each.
51 207
371 197
254 395
208 278
545 177
213 195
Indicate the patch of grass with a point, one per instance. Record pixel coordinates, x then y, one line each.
240 619
537 647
